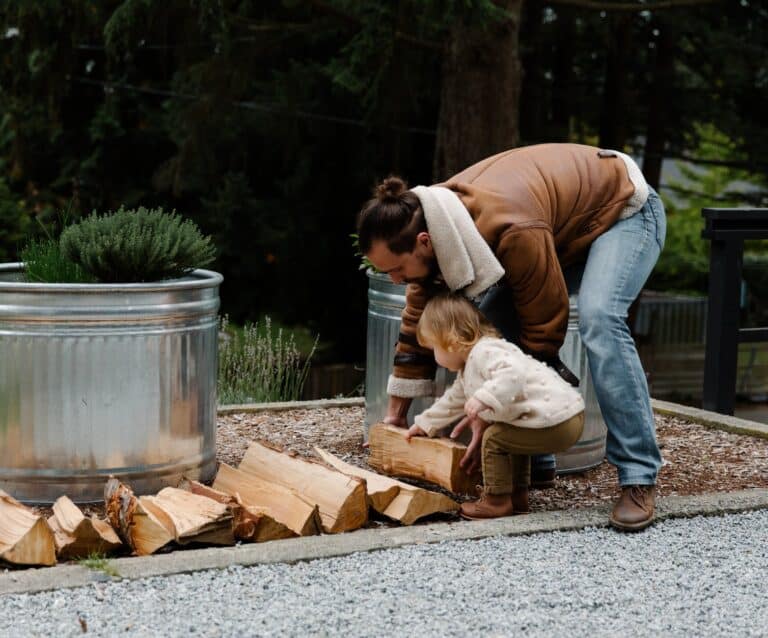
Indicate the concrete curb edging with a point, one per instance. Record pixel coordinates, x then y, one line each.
366 540
281 406
713 420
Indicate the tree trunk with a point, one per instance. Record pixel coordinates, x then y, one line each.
480 93
660 93
432 460
614 115
562 87
533 94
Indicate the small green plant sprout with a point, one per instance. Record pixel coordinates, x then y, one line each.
136 245
42 257
100 563
365 263
43 262
256 365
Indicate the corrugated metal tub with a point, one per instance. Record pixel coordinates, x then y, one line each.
100 379
386 301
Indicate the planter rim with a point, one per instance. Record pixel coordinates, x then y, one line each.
198 278
373 274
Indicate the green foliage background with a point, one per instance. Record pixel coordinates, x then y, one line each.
267 122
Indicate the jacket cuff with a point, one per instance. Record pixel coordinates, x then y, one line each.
410 388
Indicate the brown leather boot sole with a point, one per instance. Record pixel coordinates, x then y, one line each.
631 527
487 506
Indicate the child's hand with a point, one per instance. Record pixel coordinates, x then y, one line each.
470 462
414 430
473 407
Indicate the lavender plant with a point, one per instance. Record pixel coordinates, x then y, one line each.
258 366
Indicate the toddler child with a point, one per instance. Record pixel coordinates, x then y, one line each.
513 404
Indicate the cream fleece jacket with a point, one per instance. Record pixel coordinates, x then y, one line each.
517 389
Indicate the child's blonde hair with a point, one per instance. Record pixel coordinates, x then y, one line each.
452 323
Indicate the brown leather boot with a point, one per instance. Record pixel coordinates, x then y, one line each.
495 505
634 509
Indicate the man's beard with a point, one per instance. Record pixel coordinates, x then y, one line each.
433 272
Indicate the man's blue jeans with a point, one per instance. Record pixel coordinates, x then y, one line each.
617 266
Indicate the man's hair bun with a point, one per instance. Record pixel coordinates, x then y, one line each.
390 189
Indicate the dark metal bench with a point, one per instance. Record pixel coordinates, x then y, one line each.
727 228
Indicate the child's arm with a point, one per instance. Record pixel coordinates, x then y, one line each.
500 395
444 411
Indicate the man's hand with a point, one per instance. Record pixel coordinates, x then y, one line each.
473 407
470 462
414 430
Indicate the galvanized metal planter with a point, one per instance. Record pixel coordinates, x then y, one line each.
100 379
386 301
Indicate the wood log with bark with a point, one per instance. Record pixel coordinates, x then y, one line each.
78 536
148 523
341 499
432 460
281 504
138 528
250 523
394 499
25 537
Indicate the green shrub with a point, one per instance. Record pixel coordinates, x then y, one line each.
258 366
44 262
136 245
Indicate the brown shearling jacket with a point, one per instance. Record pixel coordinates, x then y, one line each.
539 208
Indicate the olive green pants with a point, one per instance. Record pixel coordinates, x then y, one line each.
506 451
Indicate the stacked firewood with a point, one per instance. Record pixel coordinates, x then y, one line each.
271 495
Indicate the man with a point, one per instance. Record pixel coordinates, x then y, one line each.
518 225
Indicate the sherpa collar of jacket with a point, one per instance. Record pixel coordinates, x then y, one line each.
466 262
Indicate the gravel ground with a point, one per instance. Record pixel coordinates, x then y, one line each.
694 577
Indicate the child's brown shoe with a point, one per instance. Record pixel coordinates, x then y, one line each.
494 505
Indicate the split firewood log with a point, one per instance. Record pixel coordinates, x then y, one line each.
250 524
381 490
25 537
432 460
394 499
78 536
138 527
280 504
341 499
191 517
